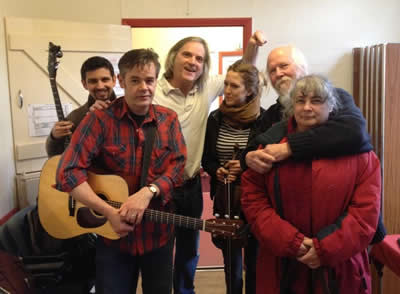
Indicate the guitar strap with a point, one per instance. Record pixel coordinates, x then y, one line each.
149 134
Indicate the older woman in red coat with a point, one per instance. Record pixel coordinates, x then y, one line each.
314 218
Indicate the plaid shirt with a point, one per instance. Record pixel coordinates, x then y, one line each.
110 142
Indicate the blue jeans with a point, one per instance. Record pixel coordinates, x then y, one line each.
118 272
188 201
250 258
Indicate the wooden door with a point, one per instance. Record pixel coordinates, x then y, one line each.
27 56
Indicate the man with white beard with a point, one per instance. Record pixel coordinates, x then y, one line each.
344 134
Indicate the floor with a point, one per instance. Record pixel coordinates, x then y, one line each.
207 282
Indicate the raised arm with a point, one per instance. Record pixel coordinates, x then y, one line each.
256 40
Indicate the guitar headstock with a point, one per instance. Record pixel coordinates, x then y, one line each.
54 53
230 228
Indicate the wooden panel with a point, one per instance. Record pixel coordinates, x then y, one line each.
356 75
379 101
391 205
378 90
365 82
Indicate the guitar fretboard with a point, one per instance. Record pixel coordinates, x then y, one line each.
168 218
57 101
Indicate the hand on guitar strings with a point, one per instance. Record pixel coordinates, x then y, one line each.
119 224
61 129
133 208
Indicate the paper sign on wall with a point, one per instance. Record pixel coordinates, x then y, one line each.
41 118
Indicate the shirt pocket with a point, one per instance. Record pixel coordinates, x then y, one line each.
160 158
115 157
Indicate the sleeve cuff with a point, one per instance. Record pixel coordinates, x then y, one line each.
295 246
318 249
301 145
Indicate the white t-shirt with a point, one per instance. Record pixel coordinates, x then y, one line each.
192 113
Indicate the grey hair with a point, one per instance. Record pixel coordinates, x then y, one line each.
170 60
316 84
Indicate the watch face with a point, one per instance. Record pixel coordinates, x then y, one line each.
153 189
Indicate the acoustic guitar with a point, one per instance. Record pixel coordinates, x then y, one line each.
56 220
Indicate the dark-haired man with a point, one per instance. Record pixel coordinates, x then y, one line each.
98 78
112 141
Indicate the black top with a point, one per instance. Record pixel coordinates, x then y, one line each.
344 133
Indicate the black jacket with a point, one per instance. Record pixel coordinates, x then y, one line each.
210 161
344 133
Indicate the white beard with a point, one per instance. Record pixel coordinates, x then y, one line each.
284 99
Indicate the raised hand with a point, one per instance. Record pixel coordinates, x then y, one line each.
258 38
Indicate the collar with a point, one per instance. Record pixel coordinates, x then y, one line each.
122 110
167 88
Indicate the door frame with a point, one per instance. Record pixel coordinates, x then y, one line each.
245 22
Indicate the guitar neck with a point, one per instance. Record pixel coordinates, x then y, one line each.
57 101
174 219
162 217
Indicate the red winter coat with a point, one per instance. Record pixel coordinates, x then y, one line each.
334 201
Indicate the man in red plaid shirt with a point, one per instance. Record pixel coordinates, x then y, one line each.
112 141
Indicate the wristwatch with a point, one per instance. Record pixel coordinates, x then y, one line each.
152 189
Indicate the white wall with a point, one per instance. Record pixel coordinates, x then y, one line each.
325 30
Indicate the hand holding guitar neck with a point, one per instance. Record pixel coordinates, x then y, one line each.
62 129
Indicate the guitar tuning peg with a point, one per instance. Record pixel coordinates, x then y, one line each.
216 215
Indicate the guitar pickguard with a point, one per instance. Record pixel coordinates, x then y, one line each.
87 219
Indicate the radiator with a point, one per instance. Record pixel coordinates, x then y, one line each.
27 189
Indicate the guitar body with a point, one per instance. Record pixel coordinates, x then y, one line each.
53 205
